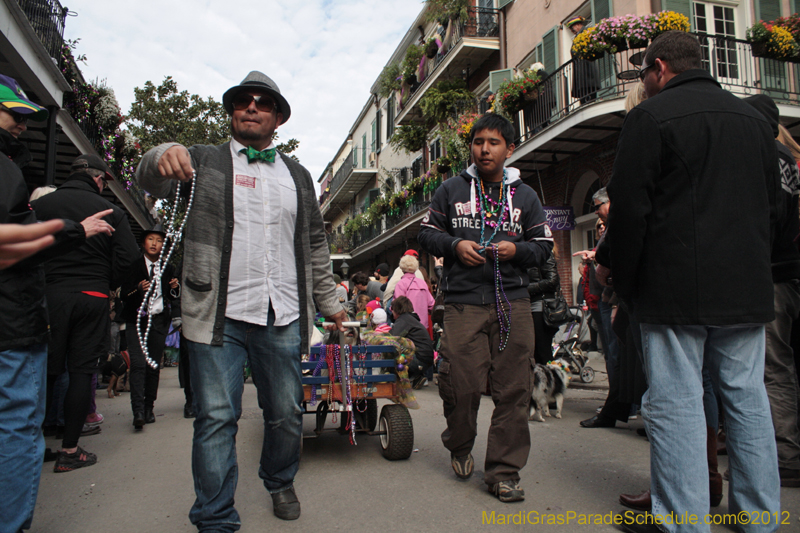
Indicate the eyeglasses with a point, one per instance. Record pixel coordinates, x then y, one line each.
642 71
18 117
263 102
596 207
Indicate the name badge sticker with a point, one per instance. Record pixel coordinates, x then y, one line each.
245 181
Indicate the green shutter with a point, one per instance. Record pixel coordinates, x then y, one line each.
601 9
374 145
503 3
496 77
549 54
768 10
793 6
364 151
378 132
681 6
774 79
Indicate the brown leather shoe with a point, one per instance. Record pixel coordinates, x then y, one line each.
639 502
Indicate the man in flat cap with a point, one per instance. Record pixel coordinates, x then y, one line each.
23 312
77 289
255 261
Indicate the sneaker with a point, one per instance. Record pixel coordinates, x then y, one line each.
94 419
462 466
67 462
89 430
507 491
419 382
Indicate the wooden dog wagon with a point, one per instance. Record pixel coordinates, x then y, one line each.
347 381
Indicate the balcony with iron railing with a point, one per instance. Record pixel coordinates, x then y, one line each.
47 17
357 169
730 61
471 43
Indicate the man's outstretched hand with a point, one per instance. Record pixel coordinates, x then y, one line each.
19 241
176 164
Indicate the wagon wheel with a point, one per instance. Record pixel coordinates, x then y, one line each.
397 441
587 374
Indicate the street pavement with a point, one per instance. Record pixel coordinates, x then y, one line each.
142 481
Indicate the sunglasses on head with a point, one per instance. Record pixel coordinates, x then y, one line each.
264 102
19 118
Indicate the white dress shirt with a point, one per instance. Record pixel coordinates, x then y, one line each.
263 268
157 302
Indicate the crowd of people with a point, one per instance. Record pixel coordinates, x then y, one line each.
696 328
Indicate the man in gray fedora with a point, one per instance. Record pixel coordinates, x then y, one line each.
255 261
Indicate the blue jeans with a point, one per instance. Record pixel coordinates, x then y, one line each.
23 390
673 410
610 344
217 383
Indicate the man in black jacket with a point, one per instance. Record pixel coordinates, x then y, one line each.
696 166
144 378
78 286
23 313
490 228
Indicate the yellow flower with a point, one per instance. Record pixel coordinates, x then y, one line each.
781 43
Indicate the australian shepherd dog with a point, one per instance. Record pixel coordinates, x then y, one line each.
549 385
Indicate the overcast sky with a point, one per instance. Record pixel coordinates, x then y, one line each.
323 54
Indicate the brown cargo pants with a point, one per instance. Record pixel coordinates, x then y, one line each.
470 352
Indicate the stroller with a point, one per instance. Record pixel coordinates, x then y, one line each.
570 350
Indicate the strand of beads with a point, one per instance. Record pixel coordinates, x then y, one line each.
502 303
174 236
337 362
317 370
351 421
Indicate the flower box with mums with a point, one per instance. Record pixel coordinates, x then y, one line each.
616 34
515 93
772 41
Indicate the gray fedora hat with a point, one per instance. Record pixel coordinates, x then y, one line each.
260 81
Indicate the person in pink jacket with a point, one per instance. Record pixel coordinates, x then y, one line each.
414 288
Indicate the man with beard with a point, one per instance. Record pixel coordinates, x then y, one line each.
255 260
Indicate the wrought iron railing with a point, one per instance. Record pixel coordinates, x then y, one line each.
47 18
730 61
481 22
357 158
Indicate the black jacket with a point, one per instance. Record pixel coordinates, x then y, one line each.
692 198
408 325
23 314
449 220
102 261
544 280
785 256
132 296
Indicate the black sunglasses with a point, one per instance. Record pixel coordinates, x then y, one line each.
595 207
19 118
263 102
642 71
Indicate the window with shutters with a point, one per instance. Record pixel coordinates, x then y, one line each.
436 150
715 22
373 147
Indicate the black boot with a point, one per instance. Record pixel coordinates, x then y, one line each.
149 417
138 420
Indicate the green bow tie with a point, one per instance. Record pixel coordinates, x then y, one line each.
268 156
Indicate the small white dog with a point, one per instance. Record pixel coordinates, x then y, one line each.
550 382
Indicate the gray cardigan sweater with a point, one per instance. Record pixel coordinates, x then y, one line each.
208 236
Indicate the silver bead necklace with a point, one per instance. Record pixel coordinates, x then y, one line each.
174 236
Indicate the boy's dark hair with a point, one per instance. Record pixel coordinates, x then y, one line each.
679 49
493 121
359 278
402 305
